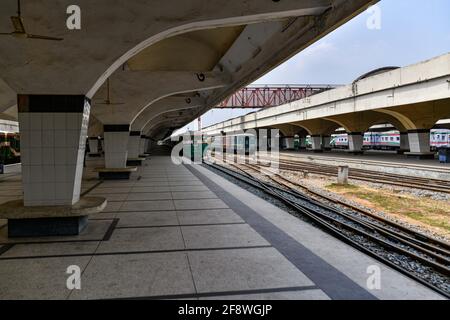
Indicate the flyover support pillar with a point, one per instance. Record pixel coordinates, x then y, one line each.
288 143
355 142
53 142
326 143
404 143
316 141
419 144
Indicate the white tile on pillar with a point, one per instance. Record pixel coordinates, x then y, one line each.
73 121
48 122
48 138
35 174
59 121
72 138
36 123
60 173
24 122
60 156
60 138
35 139
53 146
48 156
36 191
25 174
25 155
116 154
48 173
35 156
71 156
24 138
49 193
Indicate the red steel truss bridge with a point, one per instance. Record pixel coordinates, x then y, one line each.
264 96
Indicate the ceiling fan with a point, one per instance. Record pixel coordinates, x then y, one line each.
19 28
108 96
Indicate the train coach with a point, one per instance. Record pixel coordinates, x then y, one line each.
9 149
238 143
439 138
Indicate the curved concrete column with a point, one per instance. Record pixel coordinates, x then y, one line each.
362 121
421 115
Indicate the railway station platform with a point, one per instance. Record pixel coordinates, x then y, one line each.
183 232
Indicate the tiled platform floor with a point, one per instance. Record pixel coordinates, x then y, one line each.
168 233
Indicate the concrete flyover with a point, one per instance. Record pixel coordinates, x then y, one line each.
133 73
412 99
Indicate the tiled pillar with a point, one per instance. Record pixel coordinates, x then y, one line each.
93 145
316 141
355 142
288 143
116 144
53 140
148 145
143 145
326 140
134 143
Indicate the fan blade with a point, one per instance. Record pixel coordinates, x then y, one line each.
38 37
18 25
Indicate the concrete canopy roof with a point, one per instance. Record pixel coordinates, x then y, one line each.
111 35
197 51
149 54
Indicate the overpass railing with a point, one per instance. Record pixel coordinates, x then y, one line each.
264 96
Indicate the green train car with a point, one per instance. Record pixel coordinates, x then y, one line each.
9 148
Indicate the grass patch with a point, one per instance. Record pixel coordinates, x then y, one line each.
427 211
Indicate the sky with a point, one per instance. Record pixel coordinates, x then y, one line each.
410 31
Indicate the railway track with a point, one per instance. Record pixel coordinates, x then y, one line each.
364 175
425 259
